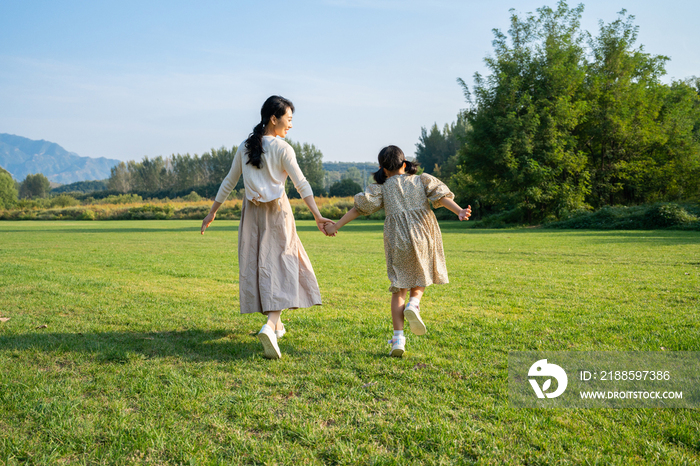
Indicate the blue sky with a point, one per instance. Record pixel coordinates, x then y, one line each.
132 78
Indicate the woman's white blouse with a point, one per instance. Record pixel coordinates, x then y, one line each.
267 183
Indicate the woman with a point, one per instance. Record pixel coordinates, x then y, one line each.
274 270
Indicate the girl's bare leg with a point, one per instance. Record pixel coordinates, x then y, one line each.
398 302
417 292
412 311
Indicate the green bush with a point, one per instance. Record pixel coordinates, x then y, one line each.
227 213
332 211
668 215
344 188
63 200
646 217
192 213
150 212
301 212
87 214
121 199
192 197
378 215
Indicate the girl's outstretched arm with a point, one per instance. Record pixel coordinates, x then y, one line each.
352 214
449 204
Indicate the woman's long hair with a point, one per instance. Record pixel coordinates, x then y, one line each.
392 158
274 106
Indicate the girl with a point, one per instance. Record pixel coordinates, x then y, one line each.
412 239
275 272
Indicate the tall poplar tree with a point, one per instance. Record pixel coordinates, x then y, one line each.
521 151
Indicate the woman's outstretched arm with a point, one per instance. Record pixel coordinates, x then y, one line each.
332 229
210 216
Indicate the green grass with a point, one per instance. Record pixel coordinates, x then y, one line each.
145 359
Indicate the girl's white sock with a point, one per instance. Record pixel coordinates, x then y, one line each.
415 301
398 333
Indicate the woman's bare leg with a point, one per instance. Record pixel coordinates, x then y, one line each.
273 320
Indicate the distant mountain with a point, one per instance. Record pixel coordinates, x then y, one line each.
21 157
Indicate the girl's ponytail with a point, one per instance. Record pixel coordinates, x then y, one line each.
411 167
254 145
274 106
380 176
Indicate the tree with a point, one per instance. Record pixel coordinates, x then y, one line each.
564 123
625 137
344 188
34 186
354 173
218 163
310 160
434 149
120 178
152 175
187 172
521 153
8 191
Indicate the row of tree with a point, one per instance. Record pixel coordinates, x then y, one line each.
569 121
184 173
179 175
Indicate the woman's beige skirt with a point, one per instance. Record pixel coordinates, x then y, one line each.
275 271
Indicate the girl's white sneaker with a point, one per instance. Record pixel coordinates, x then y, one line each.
280 333
398 346
269 341
412 315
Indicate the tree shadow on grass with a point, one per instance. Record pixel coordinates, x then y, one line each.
122 347
115 230
651 237
194 230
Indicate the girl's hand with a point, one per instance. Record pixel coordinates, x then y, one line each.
330 228
207 221
321 223
464 214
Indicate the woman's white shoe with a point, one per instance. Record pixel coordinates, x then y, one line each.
269 341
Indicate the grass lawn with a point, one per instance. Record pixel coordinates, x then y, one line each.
125 346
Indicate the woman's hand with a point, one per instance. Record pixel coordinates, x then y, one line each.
464 214
207 221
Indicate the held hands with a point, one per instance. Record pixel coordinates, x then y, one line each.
464 214
322 224
331 229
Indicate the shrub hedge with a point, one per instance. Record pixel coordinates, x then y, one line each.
645 217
